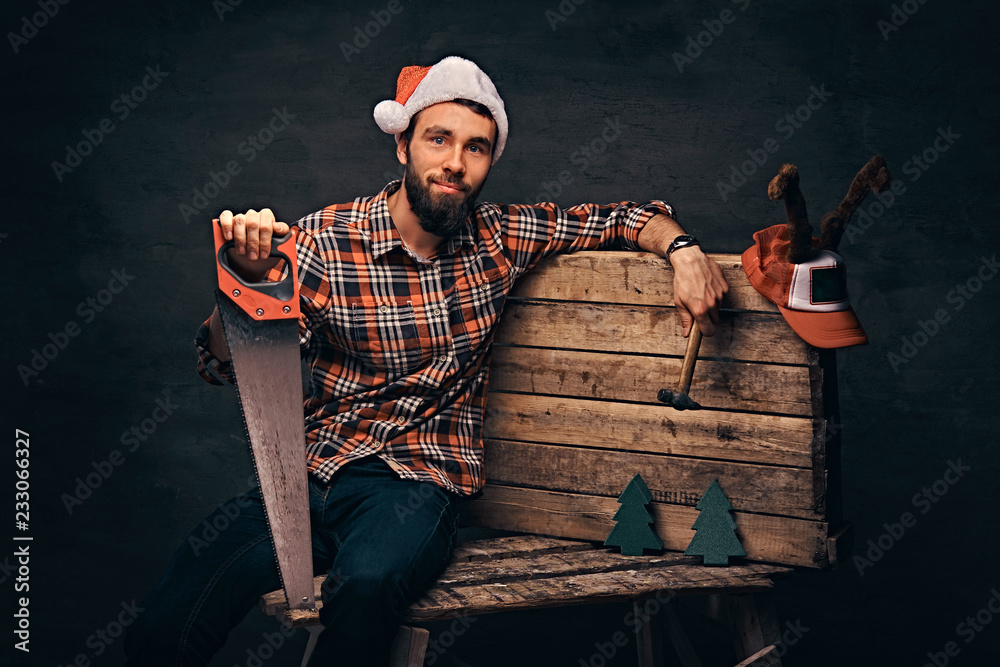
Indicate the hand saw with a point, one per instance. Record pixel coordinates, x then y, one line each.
260 322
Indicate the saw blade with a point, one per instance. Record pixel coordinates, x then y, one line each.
266 362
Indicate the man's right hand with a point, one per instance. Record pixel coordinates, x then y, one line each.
251 233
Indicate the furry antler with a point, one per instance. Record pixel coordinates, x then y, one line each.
873 176
786 186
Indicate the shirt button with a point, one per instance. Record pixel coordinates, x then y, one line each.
443 357
383 309
401 420
437 311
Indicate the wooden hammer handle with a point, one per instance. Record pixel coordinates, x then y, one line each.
690 357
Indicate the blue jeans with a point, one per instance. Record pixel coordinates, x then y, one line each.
382 541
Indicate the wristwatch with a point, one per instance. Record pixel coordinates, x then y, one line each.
682 241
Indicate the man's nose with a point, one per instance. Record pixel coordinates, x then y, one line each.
455 161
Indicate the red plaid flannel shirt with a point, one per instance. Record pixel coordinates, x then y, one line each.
399 346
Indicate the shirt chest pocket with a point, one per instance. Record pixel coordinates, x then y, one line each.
388 336
481 299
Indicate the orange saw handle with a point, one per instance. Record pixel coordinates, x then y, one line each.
264 300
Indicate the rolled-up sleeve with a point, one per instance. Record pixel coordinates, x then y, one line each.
535 232
209 367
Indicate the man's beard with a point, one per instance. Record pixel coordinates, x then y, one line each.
442 216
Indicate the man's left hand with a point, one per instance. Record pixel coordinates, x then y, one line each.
698 289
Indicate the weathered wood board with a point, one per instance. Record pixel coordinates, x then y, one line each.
586 342
508 574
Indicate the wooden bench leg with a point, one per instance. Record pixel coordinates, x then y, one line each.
409 647
649 640
649 636
754 623
766 657
314 631
679 639
757 634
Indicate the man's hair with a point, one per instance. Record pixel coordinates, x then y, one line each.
476 107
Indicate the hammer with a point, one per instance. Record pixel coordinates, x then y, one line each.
679 399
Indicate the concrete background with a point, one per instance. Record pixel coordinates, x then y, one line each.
682 131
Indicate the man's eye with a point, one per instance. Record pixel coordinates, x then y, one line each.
475 149
438 141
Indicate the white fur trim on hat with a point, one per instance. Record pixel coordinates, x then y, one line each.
450 79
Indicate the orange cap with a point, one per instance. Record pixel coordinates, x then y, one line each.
812 295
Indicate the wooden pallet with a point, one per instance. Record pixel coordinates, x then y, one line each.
585 344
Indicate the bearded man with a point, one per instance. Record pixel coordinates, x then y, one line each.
400 294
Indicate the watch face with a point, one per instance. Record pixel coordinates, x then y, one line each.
682 241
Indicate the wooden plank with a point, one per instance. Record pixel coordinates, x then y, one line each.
409 647
660 429
520 556
584 559
749 487
682 645
314 631
766 657
590 589
826 448
840 543
570 577
764 388
755 628
756 337
590 559
748 636
516 546
648 636
772 539
598 588
628 277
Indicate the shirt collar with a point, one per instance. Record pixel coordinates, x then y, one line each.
382 231
384 235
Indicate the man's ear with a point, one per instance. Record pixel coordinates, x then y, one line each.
401 150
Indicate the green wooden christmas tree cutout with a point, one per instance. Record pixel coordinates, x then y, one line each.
716 539
633 529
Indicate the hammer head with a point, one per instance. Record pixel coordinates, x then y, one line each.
677 400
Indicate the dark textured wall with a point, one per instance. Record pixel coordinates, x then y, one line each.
675 134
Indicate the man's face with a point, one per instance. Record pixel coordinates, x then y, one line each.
447 162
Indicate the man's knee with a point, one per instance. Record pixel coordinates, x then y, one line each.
380 582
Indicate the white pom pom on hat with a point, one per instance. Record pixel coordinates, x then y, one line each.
420 87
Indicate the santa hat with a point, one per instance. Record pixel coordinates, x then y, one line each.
420 87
